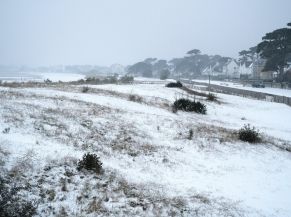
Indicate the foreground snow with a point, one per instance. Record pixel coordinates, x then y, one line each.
151 166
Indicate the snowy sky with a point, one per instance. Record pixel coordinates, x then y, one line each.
102 32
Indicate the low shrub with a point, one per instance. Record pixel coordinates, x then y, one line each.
174 84
190 136
92 80
135 98
48 81
189 106
6 130
126 79
249 134
85 89
211 97
90 162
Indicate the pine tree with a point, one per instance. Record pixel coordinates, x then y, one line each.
275 48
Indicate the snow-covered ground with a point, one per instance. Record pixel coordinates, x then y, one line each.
152 167
275 91
40 76
259 113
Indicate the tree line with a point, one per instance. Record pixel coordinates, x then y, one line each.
275 49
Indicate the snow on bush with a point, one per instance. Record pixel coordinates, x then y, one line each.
249 134
189 106
135 98
211 97
173 84
85 89
90 162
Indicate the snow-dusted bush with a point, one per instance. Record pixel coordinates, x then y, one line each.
90 162
173 84
48 81
6 130
11 203
211 97
249 134
135 98
190 136
85 89
189 106
126 79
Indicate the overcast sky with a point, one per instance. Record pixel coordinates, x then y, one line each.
103 32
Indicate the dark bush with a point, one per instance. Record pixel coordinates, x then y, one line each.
110 80
81 81
126 79
249 134
92 80
189 106
48 81
90 162
174 84
85 89
190 136
211 97
11 204
6 130
135 98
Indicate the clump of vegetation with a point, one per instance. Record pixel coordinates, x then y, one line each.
135 98
96 80
48 81
85 89
126 79
189 106
249 134
211 97
6 130
190 136
90 162
174 84
11 204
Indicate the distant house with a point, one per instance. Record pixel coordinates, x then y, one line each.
231 69
246 70
222 70
214 70
257 67
254 70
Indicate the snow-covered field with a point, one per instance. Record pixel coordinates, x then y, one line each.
151 166
275 91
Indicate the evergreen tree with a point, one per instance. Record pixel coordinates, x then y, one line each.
194 52
275 48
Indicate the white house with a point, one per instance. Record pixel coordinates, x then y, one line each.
246 70
213 70
231 69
